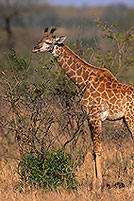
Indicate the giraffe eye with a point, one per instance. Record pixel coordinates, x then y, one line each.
48 43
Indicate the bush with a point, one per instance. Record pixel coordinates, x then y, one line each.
51 171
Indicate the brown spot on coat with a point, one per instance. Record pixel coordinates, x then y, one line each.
66 69
101 78
108 85
69 61
71 73
113 85
74 79
112 100
85 75
104 95
96 79
110 93
73 67
101 87
79 80
64 66
92 74
98 100
123 91
78 65
95 84
124 100
86 94
61 62
129 98
96 94
115 90
85 102
79 71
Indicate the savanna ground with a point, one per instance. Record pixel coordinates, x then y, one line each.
32 86
118 173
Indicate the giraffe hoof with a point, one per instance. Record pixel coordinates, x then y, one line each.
97 187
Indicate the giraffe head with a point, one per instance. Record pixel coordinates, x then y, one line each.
48 41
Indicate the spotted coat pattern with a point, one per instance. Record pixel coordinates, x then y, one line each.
103 96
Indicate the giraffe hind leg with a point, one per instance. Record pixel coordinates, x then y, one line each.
129 122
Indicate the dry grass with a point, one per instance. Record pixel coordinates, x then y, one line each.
117 163
117 181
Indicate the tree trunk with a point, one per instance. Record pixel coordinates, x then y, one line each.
9 31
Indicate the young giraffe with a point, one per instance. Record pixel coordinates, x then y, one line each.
103 95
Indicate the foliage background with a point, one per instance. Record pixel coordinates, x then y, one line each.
36 97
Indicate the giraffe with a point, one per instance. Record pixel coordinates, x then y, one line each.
103 95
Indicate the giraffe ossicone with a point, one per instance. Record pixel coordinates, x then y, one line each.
103 94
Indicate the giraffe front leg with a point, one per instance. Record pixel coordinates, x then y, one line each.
96 131
97 181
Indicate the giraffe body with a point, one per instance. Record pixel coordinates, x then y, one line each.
103 96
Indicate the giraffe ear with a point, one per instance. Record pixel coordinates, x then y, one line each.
60 40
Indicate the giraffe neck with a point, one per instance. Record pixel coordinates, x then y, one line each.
79 71
72 65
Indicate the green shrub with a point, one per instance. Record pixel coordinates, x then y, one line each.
51 171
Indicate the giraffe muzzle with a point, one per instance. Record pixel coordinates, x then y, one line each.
36 50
